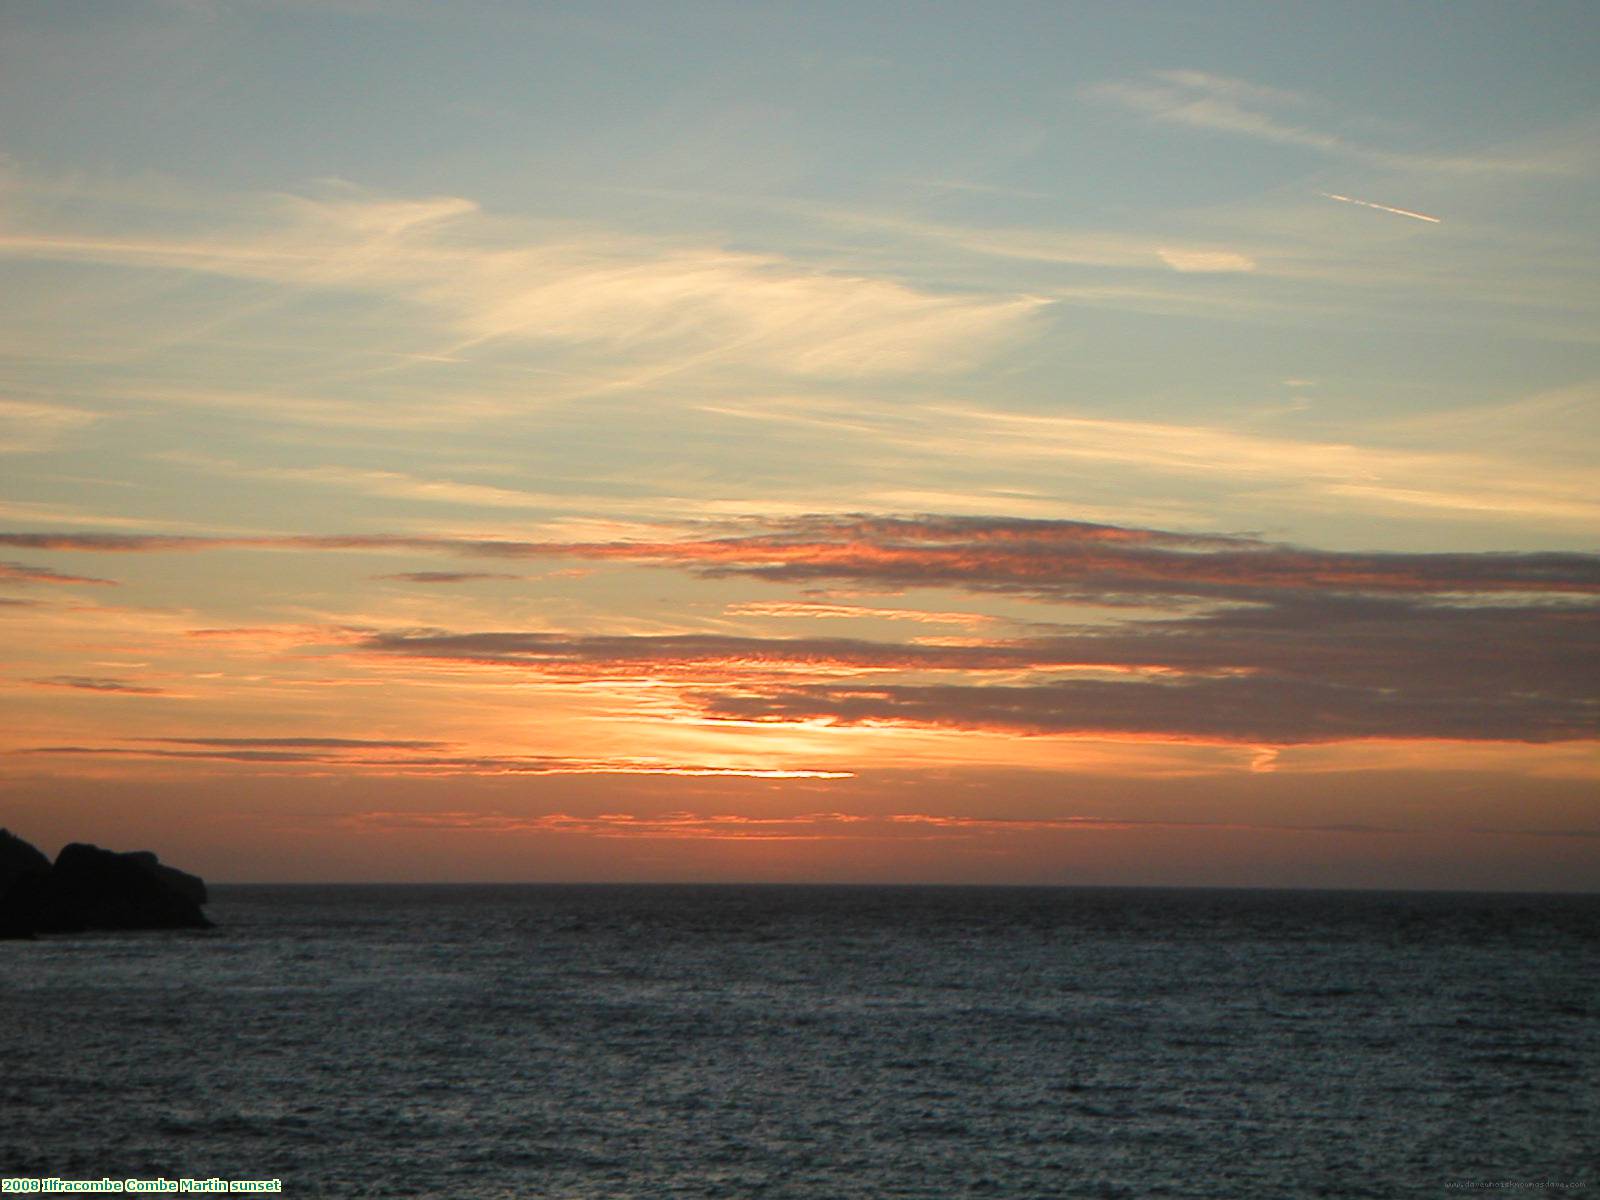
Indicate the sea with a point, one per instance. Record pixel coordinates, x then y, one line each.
814 1043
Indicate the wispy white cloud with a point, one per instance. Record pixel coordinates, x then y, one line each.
27 427
392 484
1208 102
1282 258
1242 91
588 513
661 304
36 513
1392 478
1043 244
1557 427
729 307
1219 104
1212 261
1414 475
979 189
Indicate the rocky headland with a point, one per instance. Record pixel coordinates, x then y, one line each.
88 888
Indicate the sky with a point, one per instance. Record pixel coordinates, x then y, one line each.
1045 443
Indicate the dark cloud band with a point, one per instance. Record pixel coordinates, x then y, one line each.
1053 559
1242 710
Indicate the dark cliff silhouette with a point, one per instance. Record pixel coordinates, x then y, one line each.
90 888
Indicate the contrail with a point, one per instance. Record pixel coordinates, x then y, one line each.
1401 212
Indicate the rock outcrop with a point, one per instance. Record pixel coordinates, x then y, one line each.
19 861
90 888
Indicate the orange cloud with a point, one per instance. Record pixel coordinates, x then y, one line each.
1057 559
25 574
95 683
407 758
841 826
1230 710
674 825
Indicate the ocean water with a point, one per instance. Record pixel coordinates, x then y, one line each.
474 1042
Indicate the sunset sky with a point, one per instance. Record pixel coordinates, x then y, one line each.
1034 442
